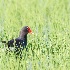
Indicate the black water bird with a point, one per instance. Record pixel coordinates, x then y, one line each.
20 42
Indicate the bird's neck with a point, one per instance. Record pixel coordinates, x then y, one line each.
23 37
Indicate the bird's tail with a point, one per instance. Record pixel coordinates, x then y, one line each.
3 41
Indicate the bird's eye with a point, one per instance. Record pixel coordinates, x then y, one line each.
27 28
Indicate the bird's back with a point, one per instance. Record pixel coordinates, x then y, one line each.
17 43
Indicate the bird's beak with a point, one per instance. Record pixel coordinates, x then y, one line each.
30 31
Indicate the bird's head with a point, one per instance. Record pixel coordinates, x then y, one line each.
25 30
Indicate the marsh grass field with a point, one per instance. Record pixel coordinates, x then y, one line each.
49 46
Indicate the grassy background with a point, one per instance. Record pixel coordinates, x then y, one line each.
49 47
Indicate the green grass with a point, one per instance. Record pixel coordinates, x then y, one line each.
49 47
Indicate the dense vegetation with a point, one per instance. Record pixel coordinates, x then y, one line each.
49 47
